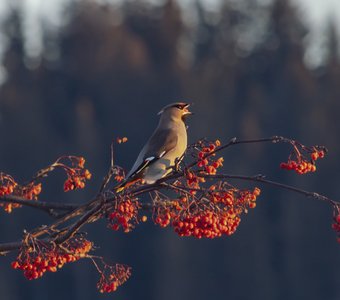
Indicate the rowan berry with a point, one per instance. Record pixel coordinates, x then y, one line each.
314 155
336 224
122 140
81 162
321 154
112 277
124 216
47 257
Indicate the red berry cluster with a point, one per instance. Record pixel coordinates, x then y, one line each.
119 178
122 140
209 224
76 173
163 217
221 219
235 198
205 158
30 191
193 181
336 225
35 263
124 215
300 167
112 277
225 197
220 216
303 164
247 198
9 186
317 154
165 210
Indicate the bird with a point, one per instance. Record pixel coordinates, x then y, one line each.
162 152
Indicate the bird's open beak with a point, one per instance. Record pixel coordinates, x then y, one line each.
186 111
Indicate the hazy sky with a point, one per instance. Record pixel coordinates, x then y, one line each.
316 14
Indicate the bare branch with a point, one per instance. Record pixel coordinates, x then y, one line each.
261 179
6 247
111 171
45 206
76 226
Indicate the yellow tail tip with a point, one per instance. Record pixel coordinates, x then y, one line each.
120 189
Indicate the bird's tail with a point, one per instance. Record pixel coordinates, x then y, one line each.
125 184
120 187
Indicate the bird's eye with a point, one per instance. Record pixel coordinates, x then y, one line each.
179 106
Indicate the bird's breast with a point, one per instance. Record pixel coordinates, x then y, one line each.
163 166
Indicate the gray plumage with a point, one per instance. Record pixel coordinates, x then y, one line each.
167 144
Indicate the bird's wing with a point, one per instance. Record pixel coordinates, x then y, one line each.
160 143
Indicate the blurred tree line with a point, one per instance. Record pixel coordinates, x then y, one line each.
110 69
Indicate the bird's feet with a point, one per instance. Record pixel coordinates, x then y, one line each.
177 166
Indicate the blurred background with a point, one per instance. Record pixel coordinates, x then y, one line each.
76 74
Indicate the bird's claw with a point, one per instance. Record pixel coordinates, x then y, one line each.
177 166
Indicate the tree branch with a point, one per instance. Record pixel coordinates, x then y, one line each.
91 210
41 205
76 226
261 178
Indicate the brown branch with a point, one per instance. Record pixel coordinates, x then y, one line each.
80 210
261 178
6 247
41 205
234 141
70 231
76 226
96 205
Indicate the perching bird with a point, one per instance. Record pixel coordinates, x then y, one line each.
164 148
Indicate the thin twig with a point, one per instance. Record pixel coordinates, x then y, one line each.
111 171
261 178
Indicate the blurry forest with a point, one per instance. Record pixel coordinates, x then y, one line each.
108 71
